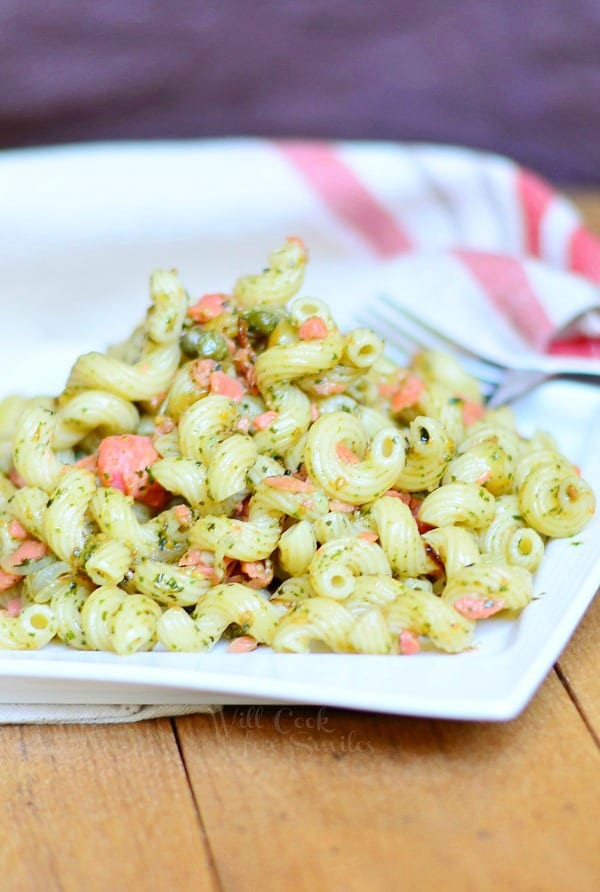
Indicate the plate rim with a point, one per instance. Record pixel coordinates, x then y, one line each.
504 706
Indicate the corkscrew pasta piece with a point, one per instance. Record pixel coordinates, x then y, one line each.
229 465
342 461
282 364
41 583
319 620
488 456
69 593
277 370
434 366
456 547
553 498
291 592
497 427
28 506
465 503
160 355
289 496
408 609
279 282
11 410
33 455
115 621
400 538
479 590
185 477
374 591
170 584
221 607
83 411
33 628
428 453
425 614
65 525
378 627
109 561
371 419
185 389
336 564
306 309
168 310
290 410
206 424
141 381
362 348
297 547
507 537
371 634
243 540
335 525
162 536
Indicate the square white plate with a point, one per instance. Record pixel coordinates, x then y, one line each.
80 230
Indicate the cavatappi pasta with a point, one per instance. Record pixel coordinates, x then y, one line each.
240 468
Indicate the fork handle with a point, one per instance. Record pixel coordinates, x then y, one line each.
559 365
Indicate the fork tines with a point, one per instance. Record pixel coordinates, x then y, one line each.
405 334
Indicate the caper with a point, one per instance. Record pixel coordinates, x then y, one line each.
198 341
262 320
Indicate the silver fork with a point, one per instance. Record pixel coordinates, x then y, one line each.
502 379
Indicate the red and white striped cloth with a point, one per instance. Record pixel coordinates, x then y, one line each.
471 239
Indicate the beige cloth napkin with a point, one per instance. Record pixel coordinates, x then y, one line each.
92 714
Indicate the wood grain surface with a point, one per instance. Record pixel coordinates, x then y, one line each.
368 802
301 798
98 807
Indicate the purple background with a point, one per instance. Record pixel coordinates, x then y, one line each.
521 78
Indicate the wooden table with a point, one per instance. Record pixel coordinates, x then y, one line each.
299 798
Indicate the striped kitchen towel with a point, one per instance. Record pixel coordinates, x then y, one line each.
508 246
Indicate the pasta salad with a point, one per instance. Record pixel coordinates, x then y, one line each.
239 468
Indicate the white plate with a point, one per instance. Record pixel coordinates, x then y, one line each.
80 230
